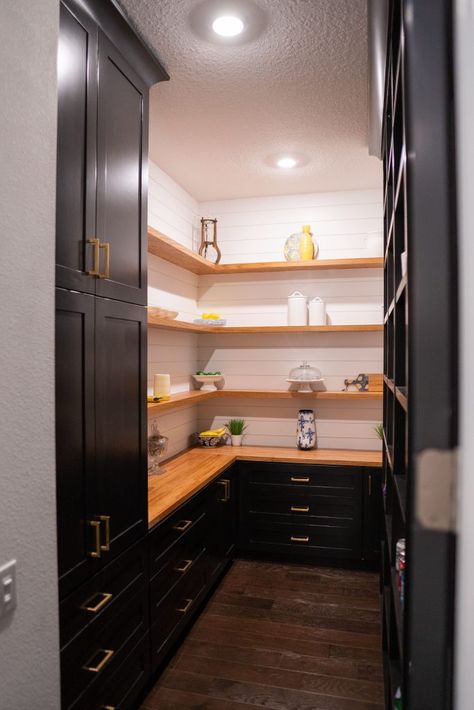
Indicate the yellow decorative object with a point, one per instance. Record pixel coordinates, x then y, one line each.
307 248
210 316
214 432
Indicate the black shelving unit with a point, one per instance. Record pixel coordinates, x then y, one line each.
420 355
395 419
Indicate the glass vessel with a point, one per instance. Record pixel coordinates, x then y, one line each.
157 445
304 376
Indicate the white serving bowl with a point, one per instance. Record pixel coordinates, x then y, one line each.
209 382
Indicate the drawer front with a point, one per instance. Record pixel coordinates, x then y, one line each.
173 612
92 657
177 529
288 503
96 600
334 539
327 478
179 565
123 689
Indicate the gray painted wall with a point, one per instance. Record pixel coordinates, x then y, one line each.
29 655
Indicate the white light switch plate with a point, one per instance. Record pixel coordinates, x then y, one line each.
7 588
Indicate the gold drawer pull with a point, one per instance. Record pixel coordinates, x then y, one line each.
299 479
185 608
182 525
95 268
297 538
87 606
107 707
299 508
226 483
185 565
105 519
95 525
104 660
106 273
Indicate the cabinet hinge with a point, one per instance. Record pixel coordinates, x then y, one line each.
436 473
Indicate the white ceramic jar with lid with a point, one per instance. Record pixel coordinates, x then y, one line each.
297 309
317 311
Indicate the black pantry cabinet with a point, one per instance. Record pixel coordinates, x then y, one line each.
101 244
104 73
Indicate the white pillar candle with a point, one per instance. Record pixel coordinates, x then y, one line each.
162 386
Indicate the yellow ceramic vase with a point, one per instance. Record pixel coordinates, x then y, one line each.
307 249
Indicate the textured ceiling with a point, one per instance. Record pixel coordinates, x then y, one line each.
299 87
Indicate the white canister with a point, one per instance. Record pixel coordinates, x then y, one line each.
317 311
297 309
161 385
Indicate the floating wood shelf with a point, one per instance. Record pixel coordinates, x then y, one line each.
168 324
166 248
186 399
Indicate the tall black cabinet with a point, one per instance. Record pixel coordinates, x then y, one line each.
421 342
104 74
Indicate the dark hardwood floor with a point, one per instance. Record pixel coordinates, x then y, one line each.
283 637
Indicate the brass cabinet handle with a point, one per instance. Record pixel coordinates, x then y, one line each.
299 508
186 564
105 519
95 525
107 707
182 525
95 267
94 608
106 273
226 483
299 479
185 608
298 538
103 661
370 484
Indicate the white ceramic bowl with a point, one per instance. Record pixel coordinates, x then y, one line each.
209 382
306 385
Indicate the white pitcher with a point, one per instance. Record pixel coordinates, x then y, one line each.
317 311
297 309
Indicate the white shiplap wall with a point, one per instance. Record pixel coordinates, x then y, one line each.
175 213
255 230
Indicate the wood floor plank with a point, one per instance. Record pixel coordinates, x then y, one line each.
280 637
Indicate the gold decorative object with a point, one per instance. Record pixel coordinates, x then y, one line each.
207 240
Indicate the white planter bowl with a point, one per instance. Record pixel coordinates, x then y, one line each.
209 382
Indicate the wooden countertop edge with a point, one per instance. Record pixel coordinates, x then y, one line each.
226 456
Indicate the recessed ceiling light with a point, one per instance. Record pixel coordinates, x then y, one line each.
286 162
228 26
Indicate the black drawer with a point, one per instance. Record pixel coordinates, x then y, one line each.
93 656
180 564
294 504
338 478
179 528
173 612
96 600
122 690
334 539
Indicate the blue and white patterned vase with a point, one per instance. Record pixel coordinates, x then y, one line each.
305 429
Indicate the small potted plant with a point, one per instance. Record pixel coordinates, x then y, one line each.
236 428
379 431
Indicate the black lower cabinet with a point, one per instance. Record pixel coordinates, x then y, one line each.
309 512
188 551
102 624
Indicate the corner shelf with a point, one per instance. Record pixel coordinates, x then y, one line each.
166 248
168 324
186 399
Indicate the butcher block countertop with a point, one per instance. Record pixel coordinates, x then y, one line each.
188 472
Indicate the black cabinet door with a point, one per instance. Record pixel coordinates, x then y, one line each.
122 143
373 515
222 521
77 115
75 437
121 433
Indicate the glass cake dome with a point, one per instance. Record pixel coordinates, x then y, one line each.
304 376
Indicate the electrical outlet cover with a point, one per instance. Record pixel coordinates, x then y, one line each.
7 588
